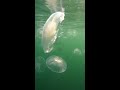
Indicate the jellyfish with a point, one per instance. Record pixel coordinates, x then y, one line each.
50 31
40 64
77 51
56 64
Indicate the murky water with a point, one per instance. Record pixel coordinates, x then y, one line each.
70 45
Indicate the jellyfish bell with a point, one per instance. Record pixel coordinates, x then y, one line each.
56 64
50 30
40 64
77 51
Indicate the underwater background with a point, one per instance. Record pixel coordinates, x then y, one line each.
70 46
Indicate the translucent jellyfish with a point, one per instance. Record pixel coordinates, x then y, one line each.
72 33
77 51
56 64
40 64
50 31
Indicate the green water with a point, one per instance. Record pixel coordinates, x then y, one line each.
71 36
